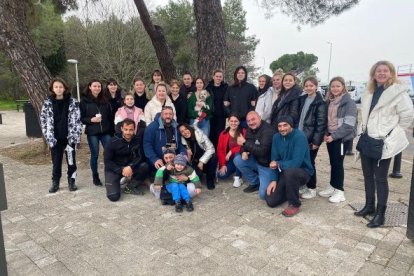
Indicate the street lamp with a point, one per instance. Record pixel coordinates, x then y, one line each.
330 57
74 61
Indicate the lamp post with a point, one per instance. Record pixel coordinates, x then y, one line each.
330 57
74 61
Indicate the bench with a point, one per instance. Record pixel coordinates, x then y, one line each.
19 103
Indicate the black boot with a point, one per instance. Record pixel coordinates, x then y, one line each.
379 217
55 186
369 208
178 207
189 206
211 185
96 180
72 185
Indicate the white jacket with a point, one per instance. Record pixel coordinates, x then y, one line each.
203 142
393 113
154 106
264 105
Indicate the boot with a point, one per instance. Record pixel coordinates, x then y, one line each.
55 186
72 185
96 180
211 185
379 217
369 208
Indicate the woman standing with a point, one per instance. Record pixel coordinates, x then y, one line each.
96 115
342 116
179 101
200 107
62 128
157 102
227 149
156 78
265 82
200 151
115 95
130 111
312 121
266 100
140 95
386 112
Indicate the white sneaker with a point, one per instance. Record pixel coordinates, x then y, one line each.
237 182
310 193
337 196
303 189
327 192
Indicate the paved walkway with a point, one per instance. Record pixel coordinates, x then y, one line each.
229 233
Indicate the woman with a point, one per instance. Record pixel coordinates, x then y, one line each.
115 95
312 121
200 107
129 110
341 129
200 151
96 114
179 101
265 101
156 78
62 128
227 149
265 82
240 97
386 111
288 101
140 95
157 102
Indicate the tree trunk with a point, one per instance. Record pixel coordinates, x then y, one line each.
156 34
19 47
211 38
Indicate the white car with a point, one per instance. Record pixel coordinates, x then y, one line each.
356 92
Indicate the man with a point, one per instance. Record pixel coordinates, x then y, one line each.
162 133
124 161
254 158
217 87
292 164
188 85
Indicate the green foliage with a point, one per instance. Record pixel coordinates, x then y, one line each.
10 86
299 62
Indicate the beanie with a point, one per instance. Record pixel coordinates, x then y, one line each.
180 159
286 119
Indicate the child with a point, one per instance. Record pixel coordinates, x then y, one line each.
61 127
129 110
176 188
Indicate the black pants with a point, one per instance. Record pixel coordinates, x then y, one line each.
112 185
336 159
376 176
287 188
209 169
312 181
217 125
57 156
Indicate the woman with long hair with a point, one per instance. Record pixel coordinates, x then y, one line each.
266 100
115 94
179 101
200 107
386 111
157 102
341 129
141 97
156 78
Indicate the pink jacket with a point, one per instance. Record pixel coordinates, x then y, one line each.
121 115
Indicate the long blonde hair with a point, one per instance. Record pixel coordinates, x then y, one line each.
372 84
342 81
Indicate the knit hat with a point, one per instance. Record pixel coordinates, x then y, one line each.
180 159
285 119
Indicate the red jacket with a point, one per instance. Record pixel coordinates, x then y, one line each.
222 147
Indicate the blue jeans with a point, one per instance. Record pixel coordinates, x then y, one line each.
254 173
178 191
93 142
204 125
231 168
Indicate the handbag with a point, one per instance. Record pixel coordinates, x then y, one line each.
370 147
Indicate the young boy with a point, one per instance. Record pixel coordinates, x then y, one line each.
176 188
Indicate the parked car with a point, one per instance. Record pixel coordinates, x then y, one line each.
356 92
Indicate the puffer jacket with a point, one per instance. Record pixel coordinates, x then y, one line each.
264 104
203 142
154 107
240 98
121 114
347 119
259 143
391 115
316 119
222 147
89 108
288 106
74 122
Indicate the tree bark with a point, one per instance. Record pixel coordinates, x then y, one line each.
19 47
211 37
156 34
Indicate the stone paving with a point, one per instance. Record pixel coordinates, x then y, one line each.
229 233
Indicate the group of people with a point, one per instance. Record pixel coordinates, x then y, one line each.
268 136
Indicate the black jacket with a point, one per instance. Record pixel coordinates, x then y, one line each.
181 108
184 90
89 108
240 98
141 101
259 143
119 153
316 119
289 105
218 93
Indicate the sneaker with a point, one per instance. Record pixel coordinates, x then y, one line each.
178 207
310 193
237 182
303 189
189 206
337 196
327 192
290 211
251 189
124 182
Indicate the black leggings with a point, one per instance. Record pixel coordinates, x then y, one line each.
57 156
312 181
336 159
209 169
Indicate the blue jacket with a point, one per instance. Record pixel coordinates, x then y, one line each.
291 151
155 139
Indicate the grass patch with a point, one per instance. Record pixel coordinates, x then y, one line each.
7 104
